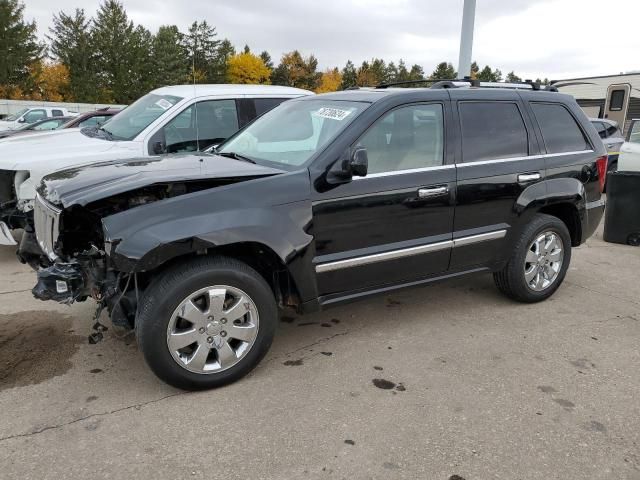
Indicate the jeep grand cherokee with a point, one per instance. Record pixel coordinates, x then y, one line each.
323 200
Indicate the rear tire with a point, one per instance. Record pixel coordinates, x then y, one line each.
206 323
539 262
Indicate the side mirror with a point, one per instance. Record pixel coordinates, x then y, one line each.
159 148
353 163
22 120
359 162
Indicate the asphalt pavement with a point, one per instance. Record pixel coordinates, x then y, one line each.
450 381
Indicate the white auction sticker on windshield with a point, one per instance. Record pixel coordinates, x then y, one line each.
332 113
164 104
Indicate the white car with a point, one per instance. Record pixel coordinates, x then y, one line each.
172 119
629 160
32 115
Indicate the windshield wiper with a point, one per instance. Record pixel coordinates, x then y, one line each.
236 156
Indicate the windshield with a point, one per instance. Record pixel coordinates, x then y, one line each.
293 132
138 116
16 116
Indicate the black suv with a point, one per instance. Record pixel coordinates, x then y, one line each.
323 200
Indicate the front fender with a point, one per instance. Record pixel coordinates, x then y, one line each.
143 238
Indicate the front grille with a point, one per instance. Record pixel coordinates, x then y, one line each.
46 219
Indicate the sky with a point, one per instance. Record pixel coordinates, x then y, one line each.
556 39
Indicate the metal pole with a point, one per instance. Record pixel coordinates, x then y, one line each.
466 38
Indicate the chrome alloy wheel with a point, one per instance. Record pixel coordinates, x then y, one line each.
212 329
543 261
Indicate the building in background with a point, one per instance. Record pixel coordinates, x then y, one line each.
615 97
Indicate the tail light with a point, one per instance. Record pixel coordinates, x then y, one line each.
601 166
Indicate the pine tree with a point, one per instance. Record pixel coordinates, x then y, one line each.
349 76
266 58
295 70
169 58
512 77
416 72
202 45
489 75
122 54
444 71
403 73
19 46
220 65
71 44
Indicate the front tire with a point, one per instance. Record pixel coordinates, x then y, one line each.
206 323
539 262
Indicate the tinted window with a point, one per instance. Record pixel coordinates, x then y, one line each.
601 129
612 131
92 121
492 130
56 113
48 125
263 105
560 131
34 116
206 124
616 101
405 138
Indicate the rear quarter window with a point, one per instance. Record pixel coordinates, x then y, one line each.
560 131
492 131
263 105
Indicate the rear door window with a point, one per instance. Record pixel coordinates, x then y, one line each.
56 113
601 129
263 105
492 131
560 130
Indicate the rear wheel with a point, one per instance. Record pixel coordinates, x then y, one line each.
539 261
206 323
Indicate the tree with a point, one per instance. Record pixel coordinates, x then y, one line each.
488 75
331 81
512 77
220 64
444 71
71 45
403 73
391 73
202 47
49 82
169 58
247 68
122 54
297 71
19 47
349 76
266 59
416 72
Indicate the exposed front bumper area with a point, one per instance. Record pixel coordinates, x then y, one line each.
61 282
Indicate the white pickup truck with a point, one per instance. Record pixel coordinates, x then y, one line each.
183 118
629 160
32 115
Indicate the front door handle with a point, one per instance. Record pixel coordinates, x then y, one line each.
432 192
529 177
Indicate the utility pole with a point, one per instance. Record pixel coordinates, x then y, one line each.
466 38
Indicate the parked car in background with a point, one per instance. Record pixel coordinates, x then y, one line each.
321 201
37 127
91 119
630 151
612 137
32 115
172 119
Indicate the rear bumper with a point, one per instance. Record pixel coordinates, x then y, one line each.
594 211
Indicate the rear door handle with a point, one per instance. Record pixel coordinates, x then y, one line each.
432 192
529 177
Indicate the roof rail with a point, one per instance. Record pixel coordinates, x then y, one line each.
469 82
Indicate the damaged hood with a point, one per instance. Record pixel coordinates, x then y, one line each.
87 184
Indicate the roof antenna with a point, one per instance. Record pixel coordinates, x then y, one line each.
195 92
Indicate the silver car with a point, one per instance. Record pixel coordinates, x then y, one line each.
611 137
